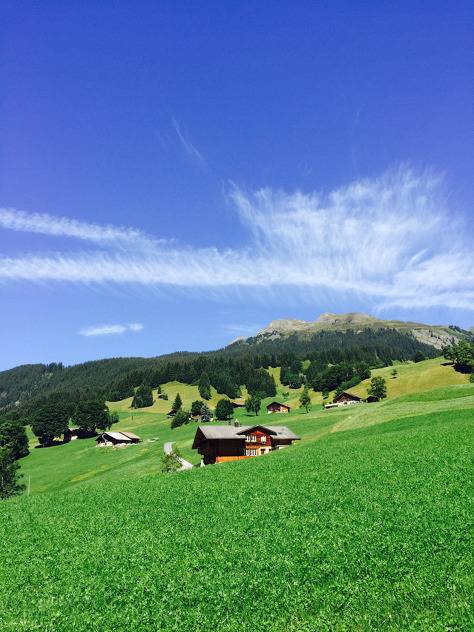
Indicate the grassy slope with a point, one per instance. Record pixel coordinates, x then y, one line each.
81 463
367 529
415 377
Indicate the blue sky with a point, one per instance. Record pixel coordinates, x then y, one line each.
173 175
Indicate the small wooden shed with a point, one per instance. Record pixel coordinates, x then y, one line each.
276 407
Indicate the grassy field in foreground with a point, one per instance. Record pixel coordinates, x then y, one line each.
367 529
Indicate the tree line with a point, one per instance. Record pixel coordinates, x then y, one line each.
116 378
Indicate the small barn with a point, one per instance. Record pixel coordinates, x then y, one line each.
111 438
133 437
345 398
276 407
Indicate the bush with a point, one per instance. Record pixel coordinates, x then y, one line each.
170 462
377 388
9 485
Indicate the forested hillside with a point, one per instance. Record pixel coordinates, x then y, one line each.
227 368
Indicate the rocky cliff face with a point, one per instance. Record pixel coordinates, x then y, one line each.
436 338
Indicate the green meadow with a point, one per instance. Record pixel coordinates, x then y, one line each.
365 524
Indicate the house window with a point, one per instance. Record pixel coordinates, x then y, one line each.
252 439
251 452
263 438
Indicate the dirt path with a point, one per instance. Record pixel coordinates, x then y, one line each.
185 465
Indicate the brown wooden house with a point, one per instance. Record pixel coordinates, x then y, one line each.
218 444
276 407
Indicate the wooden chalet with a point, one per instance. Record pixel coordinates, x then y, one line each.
276 407
218 444
345 398
111 438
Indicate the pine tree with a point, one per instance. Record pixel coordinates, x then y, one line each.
143 397
204 386
178 403
181 417
196 407
13 436
224 409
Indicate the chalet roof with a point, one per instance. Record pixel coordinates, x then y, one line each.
236 432
118 436
278 404
347 394
281 432
130 435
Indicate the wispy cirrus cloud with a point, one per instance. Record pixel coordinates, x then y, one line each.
45 224
187 145
391 241
109 330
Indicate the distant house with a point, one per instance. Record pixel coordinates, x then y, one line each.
218 444
172 413
110 438
71 434
205 417
276 407
346 398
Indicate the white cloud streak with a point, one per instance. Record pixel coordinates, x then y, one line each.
135 326
45 224
390 240
109 330
188 147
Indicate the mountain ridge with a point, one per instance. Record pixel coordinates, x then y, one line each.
331 338
437 336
